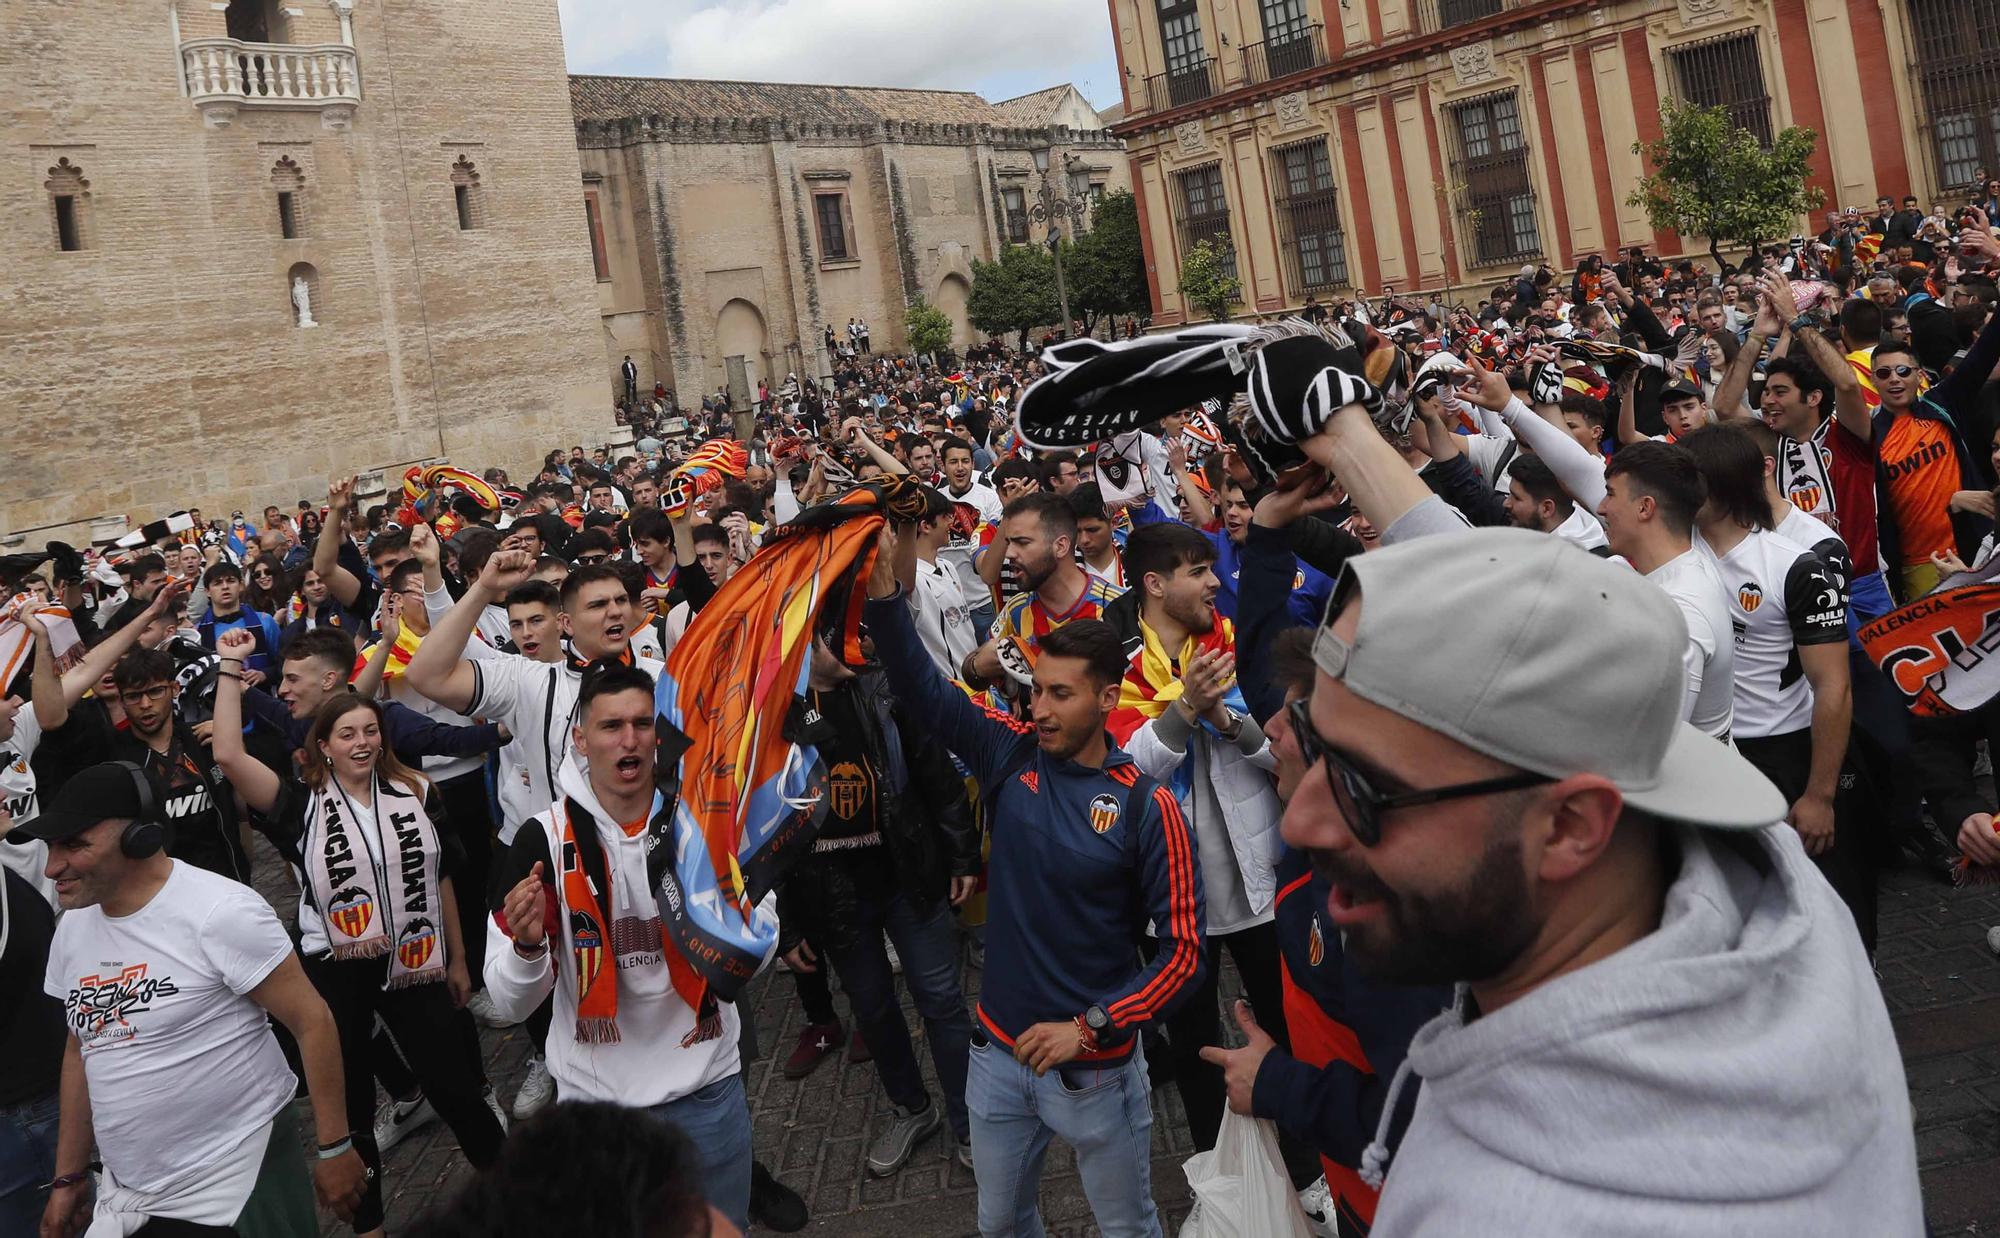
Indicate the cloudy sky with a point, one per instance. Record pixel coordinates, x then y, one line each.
998 49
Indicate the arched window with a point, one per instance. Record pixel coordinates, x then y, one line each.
468 198
289 184
69 204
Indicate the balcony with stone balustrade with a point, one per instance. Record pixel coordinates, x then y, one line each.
227 75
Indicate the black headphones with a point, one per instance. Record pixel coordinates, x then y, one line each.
147 833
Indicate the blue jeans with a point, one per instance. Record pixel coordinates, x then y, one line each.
716 1121
27 1162
930 970
1104 1113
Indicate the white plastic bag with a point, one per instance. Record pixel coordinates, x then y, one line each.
1240 1187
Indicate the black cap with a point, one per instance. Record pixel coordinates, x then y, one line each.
1680 389
105 792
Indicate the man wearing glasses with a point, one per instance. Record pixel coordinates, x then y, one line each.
1936 497
1630 930
195 802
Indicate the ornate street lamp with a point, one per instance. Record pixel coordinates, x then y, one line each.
1055 208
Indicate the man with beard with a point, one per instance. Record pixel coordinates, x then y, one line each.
1086 852
1636 939
1185 723
1038 536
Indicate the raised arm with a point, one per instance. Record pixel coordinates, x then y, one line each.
1728 400
439 668
987 741
343 584
96 664
46 689
253 780
1201 510
1377 478
369 682
1850 404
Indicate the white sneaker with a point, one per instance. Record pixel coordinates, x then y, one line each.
1316 1201
492 1100
395 1120
482 1010
537 1090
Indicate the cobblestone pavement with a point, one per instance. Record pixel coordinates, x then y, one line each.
1941 984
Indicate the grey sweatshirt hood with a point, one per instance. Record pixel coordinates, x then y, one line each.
1732 1072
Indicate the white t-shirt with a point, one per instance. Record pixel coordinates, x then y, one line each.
537 703
1780 596
1582 528
957 553
182 1066
938 606
1710 658
27 858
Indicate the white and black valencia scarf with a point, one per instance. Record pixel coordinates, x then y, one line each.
395 907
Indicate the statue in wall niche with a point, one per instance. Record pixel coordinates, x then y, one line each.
302 301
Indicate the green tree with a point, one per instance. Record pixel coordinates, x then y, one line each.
926 327
1106 268
1711 178
1206 281
1015 292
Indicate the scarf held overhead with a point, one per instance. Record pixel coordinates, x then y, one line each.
741 803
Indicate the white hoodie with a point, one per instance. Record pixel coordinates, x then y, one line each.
1733 1073
649 1064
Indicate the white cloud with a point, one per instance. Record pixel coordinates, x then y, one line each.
940 44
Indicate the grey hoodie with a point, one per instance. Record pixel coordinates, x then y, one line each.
1733 1073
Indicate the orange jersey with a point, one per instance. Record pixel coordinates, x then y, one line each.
1922 465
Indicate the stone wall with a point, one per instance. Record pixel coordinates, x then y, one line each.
714 246
161 365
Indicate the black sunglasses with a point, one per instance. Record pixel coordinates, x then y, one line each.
589 559
1900 371
1361 804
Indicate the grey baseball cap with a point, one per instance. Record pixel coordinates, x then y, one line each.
1519 645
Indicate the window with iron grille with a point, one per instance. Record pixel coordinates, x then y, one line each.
1728 74
1489 164
1458 12
1955 50
1014 204
1307 206
1203 211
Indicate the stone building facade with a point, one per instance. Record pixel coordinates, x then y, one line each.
177 168
732 222
1434 144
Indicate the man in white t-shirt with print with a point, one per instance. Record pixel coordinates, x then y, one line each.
166 973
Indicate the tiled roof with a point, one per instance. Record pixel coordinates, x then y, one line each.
1033 110
1111 115
609 98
